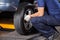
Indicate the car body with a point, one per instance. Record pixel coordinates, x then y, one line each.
8 5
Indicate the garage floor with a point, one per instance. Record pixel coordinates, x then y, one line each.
13 35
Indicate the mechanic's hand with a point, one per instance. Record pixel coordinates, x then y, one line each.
27 18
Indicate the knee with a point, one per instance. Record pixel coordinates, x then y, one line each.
33 20
38 20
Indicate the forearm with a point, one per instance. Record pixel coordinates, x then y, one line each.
39 13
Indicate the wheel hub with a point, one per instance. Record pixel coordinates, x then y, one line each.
27 25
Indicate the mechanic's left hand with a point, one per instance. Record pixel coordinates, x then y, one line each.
27 18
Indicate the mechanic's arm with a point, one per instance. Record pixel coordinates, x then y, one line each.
39 13
40 10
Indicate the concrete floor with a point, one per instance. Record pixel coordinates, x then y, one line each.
13 35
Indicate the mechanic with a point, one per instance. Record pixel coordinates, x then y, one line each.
47 17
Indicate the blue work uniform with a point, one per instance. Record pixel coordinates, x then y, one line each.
46 24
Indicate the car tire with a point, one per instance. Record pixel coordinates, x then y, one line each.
19 20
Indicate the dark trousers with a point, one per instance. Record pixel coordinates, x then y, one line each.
45 24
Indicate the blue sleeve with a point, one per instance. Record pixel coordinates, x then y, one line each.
40 3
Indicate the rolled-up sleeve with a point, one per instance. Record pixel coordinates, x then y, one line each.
40 3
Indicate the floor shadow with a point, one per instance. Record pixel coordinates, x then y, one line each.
36 37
